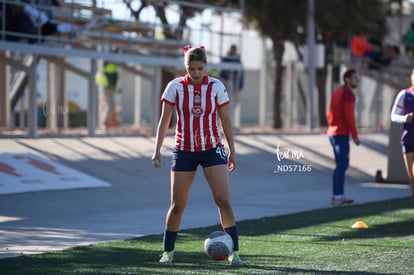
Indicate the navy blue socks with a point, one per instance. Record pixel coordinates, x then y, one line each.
169 240
232 231
170 237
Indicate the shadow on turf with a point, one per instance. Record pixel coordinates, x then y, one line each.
277 224
115 260
132 258
395 229
273 225
284 270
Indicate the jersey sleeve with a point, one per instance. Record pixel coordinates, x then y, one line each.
397 112
349 110
169 93
222 95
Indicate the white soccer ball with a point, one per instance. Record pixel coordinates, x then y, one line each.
218 245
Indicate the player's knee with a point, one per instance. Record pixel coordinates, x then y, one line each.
177 208
223 203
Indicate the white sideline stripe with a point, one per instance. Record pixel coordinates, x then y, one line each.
26 172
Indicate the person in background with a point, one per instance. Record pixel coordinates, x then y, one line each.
42 20
16 21
361 47
342 124
234 81
109 81
28 20
408 41
371 49
403 112
199 101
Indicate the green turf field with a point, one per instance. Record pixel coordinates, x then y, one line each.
314 242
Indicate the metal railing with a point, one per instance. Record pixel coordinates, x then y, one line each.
136 43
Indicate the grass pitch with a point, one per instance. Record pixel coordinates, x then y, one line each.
314 242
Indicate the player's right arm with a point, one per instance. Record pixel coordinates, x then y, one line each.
164 122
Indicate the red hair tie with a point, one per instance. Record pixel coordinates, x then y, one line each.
186 48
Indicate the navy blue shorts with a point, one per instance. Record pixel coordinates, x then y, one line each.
407 148
188 161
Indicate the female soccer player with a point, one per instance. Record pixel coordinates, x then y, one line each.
199 101
403 112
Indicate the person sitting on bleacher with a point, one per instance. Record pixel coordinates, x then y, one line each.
361 48
372 50
40 19
25 18
15 22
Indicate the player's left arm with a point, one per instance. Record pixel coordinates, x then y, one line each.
228 132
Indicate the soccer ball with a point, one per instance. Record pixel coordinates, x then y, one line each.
218 245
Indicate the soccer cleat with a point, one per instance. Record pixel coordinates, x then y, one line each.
235 260
167 257
341 201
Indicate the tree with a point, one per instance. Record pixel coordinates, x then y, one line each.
186 10
281 21
330 17
285 20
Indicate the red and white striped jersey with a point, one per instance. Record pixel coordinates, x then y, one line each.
196 107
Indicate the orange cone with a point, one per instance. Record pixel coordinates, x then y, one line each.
359 224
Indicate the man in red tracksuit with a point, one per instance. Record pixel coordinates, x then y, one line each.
341 125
